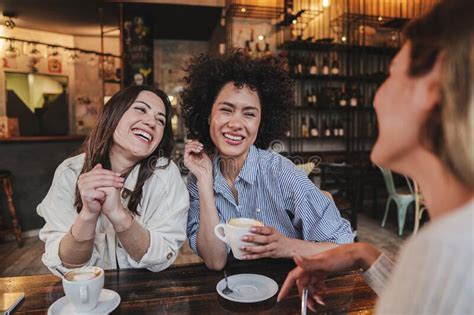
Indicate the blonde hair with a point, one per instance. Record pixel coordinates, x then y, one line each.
457 115
448 29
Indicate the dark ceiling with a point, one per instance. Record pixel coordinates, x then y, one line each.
82 17
178 21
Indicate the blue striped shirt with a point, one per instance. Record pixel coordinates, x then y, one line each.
272 190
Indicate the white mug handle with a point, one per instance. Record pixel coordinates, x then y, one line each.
219 230
83 292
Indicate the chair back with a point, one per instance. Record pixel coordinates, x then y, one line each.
388 178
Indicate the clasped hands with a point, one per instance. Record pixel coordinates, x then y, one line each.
100 193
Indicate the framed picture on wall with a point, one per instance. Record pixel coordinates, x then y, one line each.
54 65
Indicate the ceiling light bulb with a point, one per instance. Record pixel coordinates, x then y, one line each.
261 37
326 3
243 10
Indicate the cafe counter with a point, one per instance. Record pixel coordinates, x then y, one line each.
32 162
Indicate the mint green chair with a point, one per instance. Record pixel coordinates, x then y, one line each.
402 200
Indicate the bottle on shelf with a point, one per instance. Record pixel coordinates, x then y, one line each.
326 129
299 67
335 67
335 129
354 100
314 98
309 98
248 47
313 130
313 68
325 66
304 128
343 97
340 129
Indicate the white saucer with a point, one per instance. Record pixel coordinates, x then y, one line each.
248 288
108 301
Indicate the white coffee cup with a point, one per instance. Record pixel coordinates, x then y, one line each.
82 286
233 231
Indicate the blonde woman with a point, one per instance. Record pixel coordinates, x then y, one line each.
425 111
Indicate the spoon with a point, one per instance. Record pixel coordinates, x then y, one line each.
62 273
304 301
226 290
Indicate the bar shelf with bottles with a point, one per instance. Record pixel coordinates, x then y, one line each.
335 86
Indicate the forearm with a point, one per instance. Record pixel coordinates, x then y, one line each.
135 240
134 237
306 248
212 250
75 248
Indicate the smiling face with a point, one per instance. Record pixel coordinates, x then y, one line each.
140 130
403 104
234 121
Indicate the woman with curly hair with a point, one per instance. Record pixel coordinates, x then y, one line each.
430 89
121 203
233 109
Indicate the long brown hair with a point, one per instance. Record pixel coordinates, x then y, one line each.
99 142
448 29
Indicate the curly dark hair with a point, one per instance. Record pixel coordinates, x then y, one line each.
266 75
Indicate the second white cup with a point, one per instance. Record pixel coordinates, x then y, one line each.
82 286
233 231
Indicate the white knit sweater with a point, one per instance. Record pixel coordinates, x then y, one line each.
435 270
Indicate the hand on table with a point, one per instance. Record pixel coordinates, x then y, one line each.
312 271
271 243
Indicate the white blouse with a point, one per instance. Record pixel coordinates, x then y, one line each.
435 270
163 211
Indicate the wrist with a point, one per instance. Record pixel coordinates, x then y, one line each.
121 219
204 180
288 248
88 216
365 255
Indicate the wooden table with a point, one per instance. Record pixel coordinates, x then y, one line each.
191 289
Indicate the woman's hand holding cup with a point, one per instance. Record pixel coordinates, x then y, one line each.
234 231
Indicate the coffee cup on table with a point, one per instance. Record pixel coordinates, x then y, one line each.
232 232
82 286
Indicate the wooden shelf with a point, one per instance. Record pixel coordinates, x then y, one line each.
113 81
369 78
326 47
44 138
333 108
317 138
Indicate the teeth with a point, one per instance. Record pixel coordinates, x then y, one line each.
231 137
145 135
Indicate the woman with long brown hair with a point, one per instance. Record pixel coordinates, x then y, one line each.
425 111
122 203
